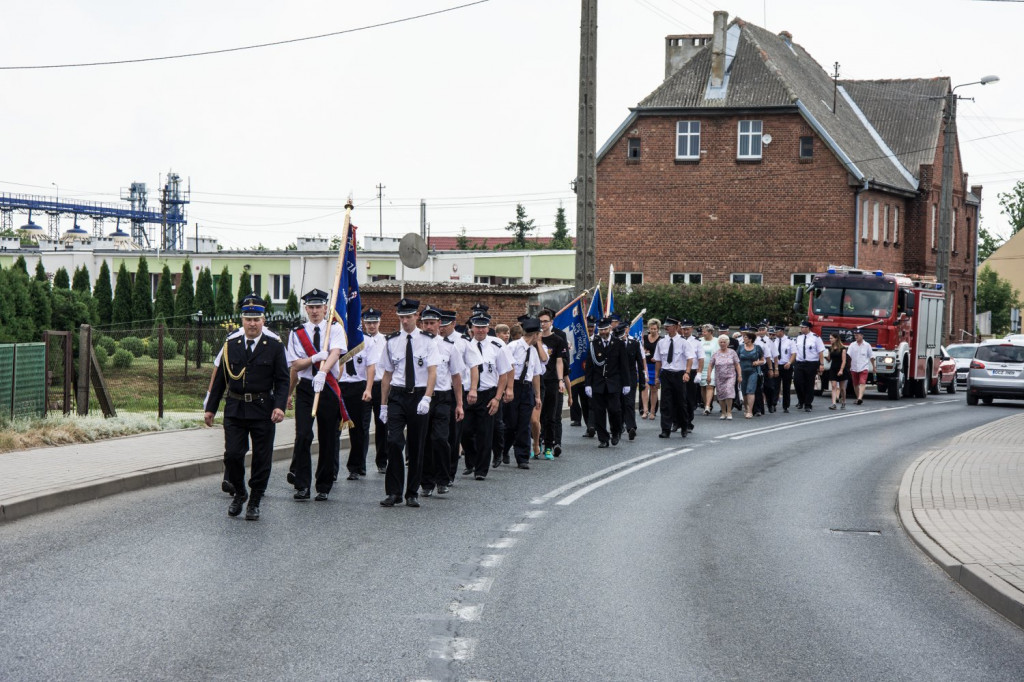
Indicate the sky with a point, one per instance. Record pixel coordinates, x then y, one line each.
472 110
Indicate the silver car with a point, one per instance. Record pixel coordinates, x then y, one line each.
962 353
997 371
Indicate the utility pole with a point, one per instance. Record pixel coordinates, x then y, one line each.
380 207
586 145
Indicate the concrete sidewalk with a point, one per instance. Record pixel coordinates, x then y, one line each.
963 505
40 479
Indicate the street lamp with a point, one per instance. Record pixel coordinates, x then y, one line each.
946 190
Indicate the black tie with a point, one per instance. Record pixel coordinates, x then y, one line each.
248 348
350 368
316 339
526 366
410 371
805 348
671 350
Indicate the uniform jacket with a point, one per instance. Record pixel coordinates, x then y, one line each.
635 361
266 374
608 368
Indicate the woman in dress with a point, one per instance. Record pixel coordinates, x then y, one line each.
707 379
751 359
838 371
649 398
726 366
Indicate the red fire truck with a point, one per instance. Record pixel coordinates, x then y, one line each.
901 316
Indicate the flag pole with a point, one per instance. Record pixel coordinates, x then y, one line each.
608 298
641 314
337 282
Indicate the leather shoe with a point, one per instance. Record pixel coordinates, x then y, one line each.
320 497
495 464
353 476
480 478
557 450
615 438
523 466
590 433
807 409
391 500
412 501
785 410
442 490
252 512
301 494
575 424
227 486
505 459
664 434
603 444
632 434
467 472
290 478
235 508
799 406
382 470
426 492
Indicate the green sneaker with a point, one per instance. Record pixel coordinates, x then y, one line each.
548 454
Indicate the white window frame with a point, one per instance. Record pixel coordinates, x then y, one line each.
933 225
952 234
629 279
885 224
746 278
279 289
895 224
874 223
752 136
686 277
808 278
690 137
864 220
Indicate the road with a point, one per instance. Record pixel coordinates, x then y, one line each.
755 549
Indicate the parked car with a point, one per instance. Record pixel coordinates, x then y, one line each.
947 373
1014 338
962 353
997 371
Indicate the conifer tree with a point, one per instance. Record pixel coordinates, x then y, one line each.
102 295
80 282
61 279
142 297
204 294
21 265
184 300
121 307
164 306
225 302
244 289
42 304
41 273
292 305
560 239
16 322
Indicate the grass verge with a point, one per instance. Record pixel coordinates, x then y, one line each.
22 434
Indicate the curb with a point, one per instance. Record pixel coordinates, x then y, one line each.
976 579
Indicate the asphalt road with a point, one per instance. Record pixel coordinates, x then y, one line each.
717 557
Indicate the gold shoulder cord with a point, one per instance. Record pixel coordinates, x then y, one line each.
227 367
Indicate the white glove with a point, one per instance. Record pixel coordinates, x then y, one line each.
318 381
625 390
424 406
589 391
319 356
384 414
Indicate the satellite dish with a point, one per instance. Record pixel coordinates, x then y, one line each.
766 138
412 250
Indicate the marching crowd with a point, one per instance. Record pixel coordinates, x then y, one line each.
443 395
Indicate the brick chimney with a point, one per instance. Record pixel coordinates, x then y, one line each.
680 49
718 49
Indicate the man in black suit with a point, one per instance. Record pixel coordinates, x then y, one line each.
636 366
607 381
254 375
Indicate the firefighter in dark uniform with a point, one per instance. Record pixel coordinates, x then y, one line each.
409 360
446 407
254 377
607 381
636 366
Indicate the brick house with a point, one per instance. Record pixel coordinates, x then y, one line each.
750 164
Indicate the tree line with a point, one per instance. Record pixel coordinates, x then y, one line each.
33 304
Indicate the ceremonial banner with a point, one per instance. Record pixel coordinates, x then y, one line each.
348 308
595 310
572 321
636 330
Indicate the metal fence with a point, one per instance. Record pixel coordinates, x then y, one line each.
141 378
22 380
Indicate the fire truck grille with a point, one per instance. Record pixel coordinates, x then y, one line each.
870 334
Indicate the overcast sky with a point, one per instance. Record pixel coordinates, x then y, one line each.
472 110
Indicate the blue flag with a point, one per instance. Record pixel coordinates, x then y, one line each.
636 330
348 308
572 321
596 310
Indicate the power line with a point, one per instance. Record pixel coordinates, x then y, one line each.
245 47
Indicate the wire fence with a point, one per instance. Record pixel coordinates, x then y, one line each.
166 369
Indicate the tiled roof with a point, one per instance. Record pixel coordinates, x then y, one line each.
765 71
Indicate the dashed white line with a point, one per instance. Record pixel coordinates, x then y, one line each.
783 427
452 648
535 513
518 528
594 486
590 477
466 612
491 560
478 585
502 543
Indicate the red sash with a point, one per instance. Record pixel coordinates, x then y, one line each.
307 346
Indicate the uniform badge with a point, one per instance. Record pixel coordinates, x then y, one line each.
419 361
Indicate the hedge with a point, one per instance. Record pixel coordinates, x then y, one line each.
730 304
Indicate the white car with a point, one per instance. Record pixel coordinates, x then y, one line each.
962 354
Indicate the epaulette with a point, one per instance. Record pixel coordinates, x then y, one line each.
271 334
236 333
298 326
429 335
449 339
496 343
393 335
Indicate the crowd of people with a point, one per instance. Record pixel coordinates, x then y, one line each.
443 396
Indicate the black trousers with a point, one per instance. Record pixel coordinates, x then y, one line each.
499 447
455 431
437 455
237 435
803 378
402 417
629 408
770 390
607 409
328 416
380 430
550 414
359 432
785 383
517 423
673 401
579 411
478 432
692 399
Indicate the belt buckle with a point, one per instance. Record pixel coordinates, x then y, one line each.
247 397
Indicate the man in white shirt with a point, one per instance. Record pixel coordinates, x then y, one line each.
374 342
446 405
862 359
674 364
766 392
786 350
527 368
810 361
470 377
495 371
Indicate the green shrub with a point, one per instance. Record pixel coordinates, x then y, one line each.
123 358
190 350
106 343
170 348
133 345
102 356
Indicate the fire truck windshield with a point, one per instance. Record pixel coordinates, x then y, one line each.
845 301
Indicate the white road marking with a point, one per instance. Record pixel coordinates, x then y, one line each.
597 474
478 585
535 513
452 648
817 420
518 528
466 612
594 486
491 560
502 543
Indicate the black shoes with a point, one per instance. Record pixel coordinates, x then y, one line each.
235 508
412 501
353 477
859 401
382 470
426 492
505 459
632 434
467 472
496 463
252 511
603 444
290 478
480 478
786 410
227 487
523 466
664 434
301 494
615 438
320 497
575 424
391 500
442 490
557 450
799 406
590 433
807 409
